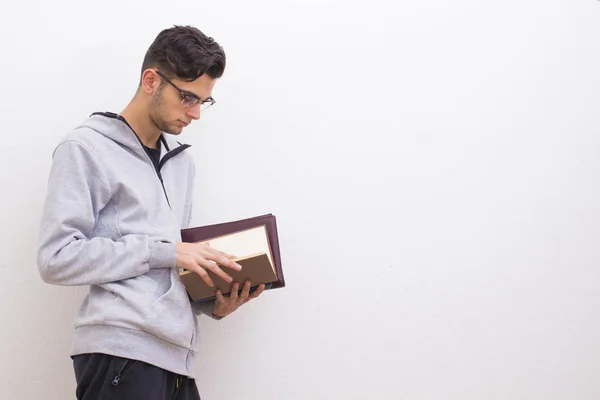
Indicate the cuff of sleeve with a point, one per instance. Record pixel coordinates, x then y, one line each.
162 255
205 307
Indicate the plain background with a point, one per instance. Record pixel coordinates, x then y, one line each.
434 167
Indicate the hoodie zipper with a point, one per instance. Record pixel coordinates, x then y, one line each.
170 153
168 156
157 169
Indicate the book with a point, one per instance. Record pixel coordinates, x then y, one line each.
255 244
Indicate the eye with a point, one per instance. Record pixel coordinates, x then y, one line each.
190 100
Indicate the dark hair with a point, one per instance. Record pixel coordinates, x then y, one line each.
186 53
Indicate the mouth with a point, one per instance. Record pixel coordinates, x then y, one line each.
183 124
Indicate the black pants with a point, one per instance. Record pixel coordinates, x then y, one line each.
104 377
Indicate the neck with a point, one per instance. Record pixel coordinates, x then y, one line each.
137 116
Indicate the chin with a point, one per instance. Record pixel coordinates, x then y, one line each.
174 130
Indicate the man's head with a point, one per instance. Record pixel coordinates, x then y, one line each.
178 74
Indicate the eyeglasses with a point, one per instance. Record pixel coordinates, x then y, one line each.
189 99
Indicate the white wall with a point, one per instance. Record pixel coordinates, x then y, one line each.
434 167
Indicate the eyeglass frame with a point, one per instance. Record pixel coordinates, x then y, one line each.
209 101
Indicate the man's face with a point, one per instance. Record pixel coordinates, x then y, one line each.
172 105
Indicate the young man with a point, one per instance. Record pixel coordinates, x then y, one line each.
119 192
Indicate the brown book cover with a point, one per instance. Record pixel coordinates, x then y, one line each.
264 267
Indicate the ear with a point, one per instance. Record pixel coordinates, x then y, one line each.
150 81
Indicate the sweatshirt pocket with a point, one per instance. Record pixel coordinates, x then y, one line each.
170 315
156 304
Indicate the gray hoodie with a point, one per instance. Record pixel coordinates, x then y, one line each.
111 220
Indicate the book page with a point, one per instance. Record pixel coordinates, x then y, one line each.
244 243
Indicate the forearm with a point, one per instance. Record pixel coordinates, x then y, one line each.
83 261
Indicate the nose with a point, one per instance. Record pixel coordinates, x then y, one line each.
194 112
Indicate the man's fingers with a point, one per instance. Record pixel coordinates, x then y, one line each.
214 268
204 264
226 262
222 258
220 298
245 291
234 291
256 292
204 275
229 256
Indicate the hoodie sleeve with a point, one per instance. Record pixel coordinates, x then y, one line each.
204 307
67 255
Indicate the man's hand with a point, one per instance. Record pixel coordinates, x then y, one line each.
224 306
199 257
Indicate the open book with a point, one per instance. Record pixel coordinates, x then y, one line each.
254 243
